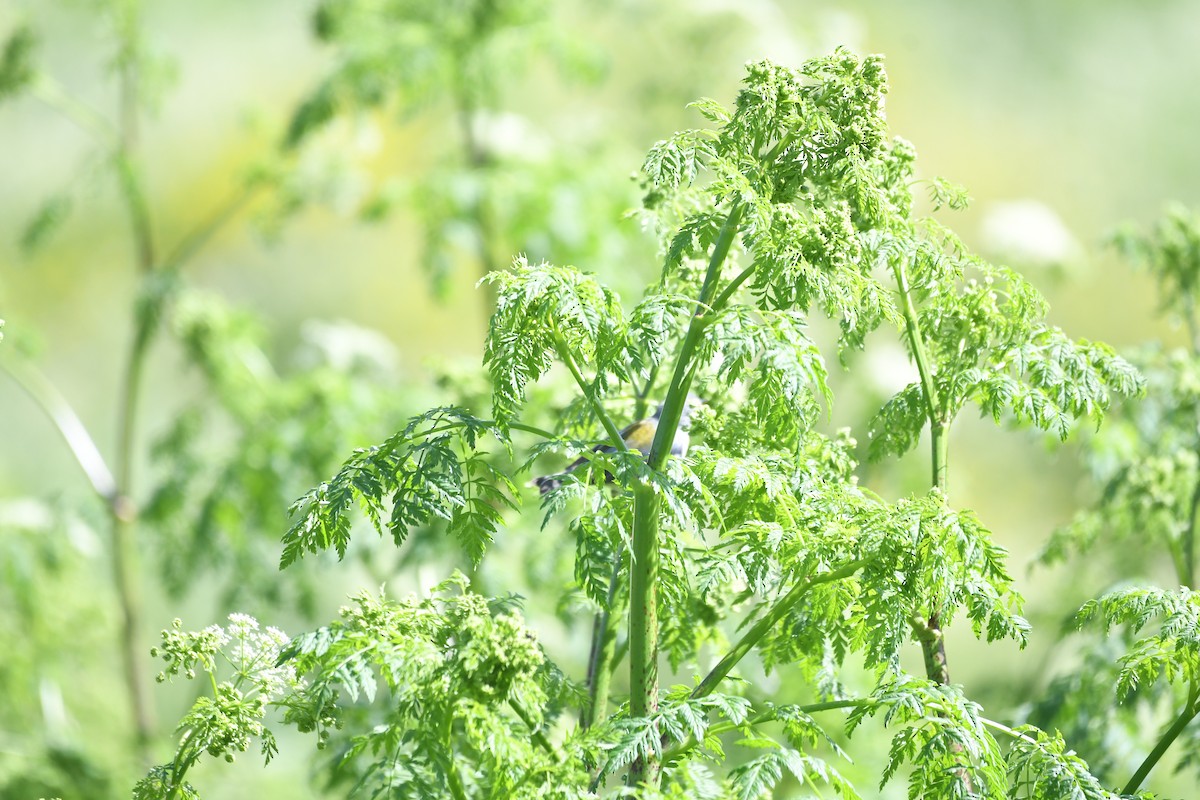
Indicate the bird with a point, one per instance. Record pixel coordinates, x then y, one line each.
637 436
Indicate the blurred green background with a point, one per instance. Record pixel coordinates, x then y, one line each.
1063 119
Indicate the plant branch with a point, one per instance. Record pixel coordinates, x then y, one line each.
124 534
194 240
938 422
768 621
681 379
56 408
733 286
91 122
1187 545
604 642
610 427
535 731
642 405
126 158
991 723
929 632
933 644
453 779
1189 712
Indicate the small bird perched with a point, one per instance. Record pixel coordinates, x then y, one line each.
637 436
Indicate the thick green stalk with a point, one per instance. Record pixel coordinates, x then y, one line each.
453 779
769 620
643 620
604 646
1190 710
932 642
643 595
681 378
122 512
122 509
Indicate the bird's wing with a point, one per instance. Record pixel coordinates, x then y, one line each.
633 435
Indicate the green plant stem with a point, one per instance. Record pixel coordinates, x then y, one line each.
1186 563
642 403
768 621
453 779
479 162
681 378
610 427
619 652
603 640
933 645
604 645
195 240
930 634
643 589
185 757
50 92
46 397
117 490
733 286
939 423
123 512
1189 712
535 731
126 159
991 723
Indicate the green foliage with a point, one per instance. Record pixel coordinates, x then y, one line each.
1145 464
501 186
539 310
429 470
45 546
409 52
942 735
1171 654
1040 767
232 466
758 543
1171 253
458 677
988 345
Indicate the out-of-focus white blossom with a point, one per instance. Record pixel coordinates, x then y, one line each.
889 368
345 346
510 135
1028 233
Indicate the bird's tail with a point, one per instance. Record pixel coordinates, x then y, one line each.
546 483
